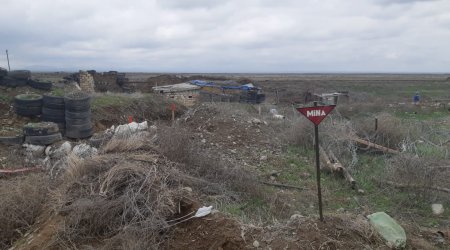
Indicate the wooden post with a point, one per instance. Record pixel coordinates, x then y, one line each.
7 58
172 108
319 190
376 124
276 92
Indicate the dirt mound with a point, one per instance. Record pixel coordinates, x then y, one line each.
113 109
212 232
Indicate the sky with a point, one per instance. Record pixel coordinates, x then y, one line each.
227 36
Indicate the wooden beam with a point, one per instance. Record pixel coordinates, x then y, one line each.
400 185
373 145
334 165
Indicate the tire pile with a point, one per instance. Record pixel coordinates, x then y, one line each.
53 110
28 105
14 78
41 133
78 115
43 85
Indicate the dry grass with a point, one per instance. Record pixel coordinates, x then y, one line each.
127 143
218 173
391 131
110 196
409 169
22 201
300 133
120 198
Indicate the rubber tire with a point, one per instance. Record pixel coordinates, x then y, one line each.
79 108
78 104
28 111
49 129
3 72
11 140
40 85
20 101
81 121
55 119
54 106
53 102
53 112
20 74
12 82
78 115
43 139
79 134
81 127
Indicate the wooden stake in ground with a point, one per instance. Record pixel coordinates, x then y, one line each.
172 108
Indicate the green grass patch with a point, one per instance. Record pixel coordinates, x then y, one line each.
57 92
111 100
5 98
422 115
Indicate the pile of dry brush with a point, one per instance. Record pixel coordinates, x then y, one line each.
125 197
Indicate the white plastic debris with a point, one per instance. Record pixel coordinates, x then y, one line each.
279 117
130 128
203 211
84 150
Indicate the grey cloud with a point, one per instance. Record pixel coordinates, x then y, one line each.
190 4
233 35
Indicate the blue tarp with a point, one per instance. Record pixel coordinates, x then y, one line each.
201 83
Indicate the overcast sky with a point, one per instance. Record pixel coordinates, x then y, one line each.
227 35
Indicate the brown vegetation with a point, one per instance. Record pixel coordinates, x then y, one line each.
22 201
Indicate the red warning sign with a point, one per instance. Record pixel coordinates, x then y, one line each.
317 113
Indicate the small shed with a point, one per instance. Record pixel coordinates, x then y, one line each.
185 93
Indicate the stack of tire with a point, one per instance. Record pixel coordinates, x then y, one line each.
53 110
41 133
38 84
16 78
78 115
28 105
3 73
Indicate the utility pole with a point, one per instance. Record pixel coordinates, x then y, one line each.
7 58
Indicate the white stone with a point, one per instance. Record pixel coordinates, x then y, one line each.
34 150
263 158
437 209
256 243
84 150
130 128
296 216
